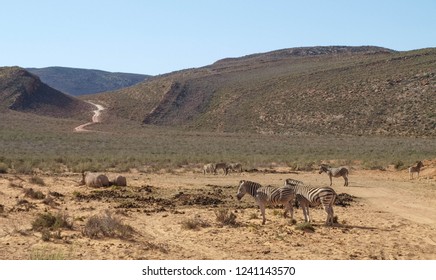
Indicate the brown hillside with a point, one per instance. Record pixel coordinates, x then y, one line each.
319 90
23 91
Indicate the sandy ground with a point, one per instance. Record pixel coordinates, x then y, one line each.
391 217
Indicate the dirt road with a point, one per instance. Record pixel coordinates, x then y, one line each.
96 118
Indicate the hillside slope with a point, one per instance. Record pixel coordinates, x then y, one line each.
77 81
318 90
23 91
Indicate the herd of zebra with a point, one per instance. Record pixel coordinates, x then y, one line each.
226 167
305 195
293 190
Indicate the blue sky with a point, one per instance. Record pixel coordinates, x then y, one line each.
156 37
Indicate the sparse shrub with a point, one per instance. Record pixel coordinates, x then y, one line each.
46 235
3 168
105 225
37 181
306 226
399 165
24 168
194 223
49 254
33 194
51 222
226 217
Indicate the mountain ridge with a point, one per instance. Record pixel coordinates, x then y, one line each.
23 91
79 81
321 90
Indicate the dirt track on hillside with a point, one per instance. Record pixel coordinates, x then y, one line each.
391 217
96 118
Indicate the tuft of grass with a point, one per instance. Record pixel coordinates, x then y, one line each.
29 192
49 254
226 217
37 181
306 226
194 223
105 225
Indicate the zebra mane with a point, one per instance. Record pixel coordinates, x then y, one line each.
293 182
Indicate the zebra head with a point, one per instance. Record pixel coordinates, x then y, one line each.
242 190
323 168
419 164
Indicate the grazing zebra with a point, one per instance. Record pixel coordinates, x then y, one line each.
415 169
235 167
268 196
313 196
209 168
335 172
223 166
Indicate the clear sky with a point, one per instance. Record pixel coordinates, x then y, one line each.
160 36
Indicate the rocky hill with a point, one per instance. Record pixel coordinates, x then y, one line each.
77 81
319 90
22 91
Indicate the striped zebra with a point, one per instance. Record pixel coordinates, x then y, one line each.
335 172
268 196
313 196
235 167
222 165
415 169
209 168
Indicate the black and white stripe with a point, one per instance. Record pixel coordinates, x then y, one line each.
313 196
335 172
268 196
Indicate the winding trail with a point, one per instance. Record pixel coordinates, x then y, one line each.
96 118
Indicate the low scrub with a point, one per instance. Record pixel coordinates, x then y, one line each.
33 194
226 217
105 225
194 223
48 221
306 226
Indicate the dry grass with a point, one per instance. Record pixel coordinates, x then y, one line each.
106 225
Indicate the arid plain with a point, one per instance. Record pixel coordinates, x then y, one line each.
173 215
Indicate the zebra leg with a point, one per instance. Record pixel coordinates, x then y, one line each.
346 180
305 207
329 211
330 175
289 207
262 210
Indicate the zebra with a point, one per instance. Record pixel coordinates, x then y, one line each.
313 196
222 165
415 169
209 168
335 172
235 167
268 196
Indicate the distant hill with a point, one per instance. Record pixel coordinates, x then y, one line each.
77 82
336 90
21 90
